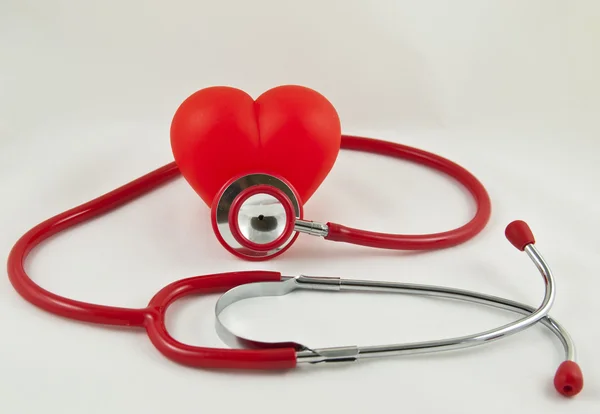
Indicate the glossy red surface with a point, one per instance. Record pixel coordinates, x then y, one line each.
221 132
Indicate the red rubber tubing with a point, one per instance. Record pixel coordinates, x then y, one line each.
195 356
62 306
340 233
152 317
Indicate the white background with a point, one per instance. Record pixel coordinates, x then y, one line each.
509 89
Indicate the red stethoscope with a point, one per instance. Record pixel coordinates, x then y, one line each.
258 214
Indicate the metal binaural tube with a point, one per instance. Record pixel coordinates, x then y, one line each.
467 296
568 379
313 356
305 354
533 316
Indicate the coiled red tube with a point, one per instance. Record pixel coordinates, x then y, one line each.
340 233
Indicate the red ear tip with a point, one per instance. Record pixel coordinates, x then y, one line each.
519 234
568 380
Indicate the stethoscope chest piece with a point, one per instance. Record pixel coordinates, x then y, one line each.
254 215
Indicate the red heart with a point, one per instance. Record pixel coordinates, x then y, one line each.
289 131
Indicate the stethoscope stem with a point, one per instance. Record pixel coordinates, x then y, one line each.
312 228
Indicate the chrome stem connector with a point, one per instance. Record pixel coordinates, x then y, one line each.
313 228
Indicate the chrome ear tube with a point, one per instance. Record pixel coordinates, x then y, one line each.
568 378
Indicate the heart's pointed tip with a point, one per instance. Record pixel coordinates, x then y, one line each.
568 380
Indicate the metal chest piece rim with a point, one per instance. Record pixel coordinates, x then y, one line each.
254 216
